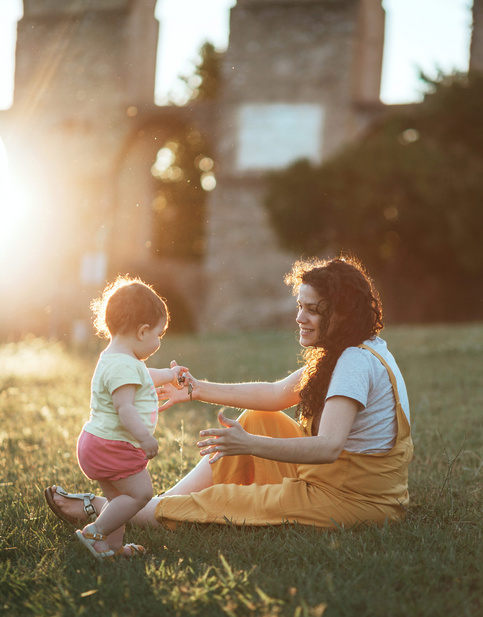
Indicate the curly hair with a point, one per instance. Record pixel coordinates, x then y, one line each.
348 292
126 304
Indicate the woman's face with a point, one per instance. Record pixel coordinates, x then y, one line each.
309 318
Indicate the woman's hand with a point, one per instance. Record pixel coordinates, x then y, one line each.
228 441
171 396
184 391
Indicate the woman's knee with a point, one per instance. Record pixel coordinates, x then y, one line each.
146 517
269 423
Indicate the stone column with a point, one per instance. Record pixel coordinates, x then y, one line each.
476 50
288 93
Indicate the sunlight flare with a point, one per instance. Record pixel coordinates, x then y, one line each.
19 224
15 203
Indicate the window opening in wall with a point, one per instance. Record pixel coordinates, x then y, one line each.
11 11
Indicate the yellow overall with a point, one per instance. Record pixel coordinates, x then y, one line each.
355 489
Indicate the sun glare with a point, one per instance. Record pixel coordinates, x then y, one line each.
17 218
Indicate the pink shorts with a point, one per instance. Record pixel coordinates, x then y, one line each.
108 459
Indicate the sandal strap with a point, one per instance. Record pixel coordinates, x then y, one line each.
86 498
94 536
89 508
136 549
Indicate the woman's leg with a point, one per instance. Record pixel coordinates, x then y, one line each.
197 479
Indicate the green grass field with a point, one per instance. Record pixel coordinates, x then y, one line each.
430 565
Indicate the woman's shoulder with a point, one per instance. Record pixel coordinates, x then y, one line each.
359 359
357 353
376 344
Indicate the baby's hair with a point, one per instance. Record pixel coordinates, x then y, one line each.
125 305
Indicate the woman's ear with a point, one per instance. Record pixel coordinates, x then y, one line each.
142 331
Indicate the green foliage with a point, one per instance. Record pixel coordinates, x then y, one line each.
180 201
429 565
183 171
204 84
406 199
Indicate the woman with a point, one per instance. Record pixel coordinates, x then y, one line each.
345 462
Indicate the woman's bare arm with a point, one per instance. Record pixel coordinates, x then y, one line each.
337 419
266 396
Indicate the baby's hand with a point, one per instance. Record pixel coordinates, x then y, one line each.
149 446
179 375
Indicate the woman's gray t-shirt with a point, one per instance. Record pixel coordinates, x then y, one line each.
361 376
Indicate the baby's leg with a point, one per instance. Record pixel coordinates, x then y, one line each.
125 498
196 480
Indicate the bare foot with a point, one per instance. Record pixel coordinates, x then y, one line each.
74 508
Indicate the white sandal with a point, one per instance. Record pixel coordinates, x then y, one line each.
136 550
88 539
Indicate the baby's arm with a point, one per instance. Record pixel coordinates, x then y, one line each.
173 375
123 399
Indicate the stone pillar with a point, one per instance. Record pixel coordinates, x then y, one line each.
84 68
476 50
369 52
287 93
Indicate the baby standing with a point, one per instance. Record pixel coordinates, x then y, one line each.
117 442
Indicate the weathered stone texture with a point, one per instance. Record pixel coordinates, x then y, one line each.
290 52
476 52
84 108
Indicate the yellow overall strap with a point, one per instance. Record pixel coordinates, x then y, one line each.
399 410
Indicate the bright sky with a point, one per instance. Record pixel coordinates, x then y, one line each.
420 34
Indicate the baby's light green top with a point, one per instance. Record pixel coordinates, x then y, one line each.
113 371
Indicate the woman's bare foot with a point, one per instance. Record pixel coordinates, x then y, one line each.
74 508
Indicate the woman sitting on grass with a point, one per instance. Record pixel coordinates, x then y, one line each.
343 463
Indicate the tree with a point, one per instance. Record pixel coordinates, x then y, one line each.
184 171
406 199
204 84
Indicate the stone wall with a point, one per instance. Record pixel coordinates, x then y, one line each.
84 71
300 78
476 51
78 86
294 78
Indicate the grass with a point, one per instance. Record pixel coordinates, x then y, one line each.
430 565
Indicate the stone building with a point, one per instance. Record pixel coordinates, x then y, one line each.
300 78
